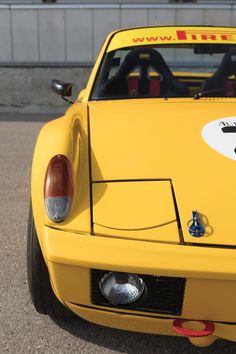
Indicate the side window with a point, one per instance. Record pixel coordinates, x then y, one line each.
116 62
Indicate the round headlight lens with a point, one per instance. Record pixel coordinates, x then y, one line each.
121 288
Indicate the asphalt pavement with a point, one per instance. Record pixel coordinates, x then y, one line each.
22 329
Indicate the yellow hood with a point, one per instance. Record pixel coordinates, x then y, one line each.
171 140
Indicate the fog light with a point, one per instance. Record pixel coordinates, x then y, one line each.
121 288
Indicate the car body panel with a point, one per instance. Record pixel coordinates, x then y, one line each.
67 136
70 248
209 276
149 324
168 233
122 207
166 136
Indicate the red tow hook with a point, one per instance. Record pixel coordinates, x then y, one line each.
207 331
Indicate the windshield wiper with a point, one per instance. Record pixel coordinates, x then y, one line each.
203 93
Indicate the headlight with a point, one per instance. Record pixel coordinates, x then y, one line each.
121 288
58 188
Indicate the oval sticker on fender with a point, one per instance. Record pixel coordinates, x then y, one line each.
220 135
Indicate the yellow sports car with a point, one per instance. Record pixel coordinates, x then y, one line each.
132 223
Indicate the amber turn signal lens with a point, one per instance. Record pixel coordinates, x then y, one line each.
59 178
58 188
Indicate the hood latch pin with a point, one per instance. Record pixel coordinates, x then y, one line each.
195 226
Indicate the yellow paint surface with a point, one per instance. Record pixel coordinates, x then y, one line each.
162 139
141 209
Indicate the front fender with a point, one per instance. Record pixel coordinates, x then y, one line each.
67 135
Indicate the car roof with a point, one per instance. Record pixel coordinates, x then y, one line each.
166 35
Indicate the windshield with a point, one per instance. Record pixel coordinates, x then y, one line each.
167 71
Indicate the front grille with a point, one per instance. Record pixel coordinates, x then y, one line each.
164 294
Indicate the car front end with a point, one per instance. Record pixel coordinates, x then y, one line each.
146 240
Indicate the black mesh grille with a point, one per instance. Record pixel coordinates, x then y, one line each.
164 294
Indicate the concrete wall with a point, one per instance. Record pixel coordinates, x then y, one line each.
26 90
74 33
35 39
